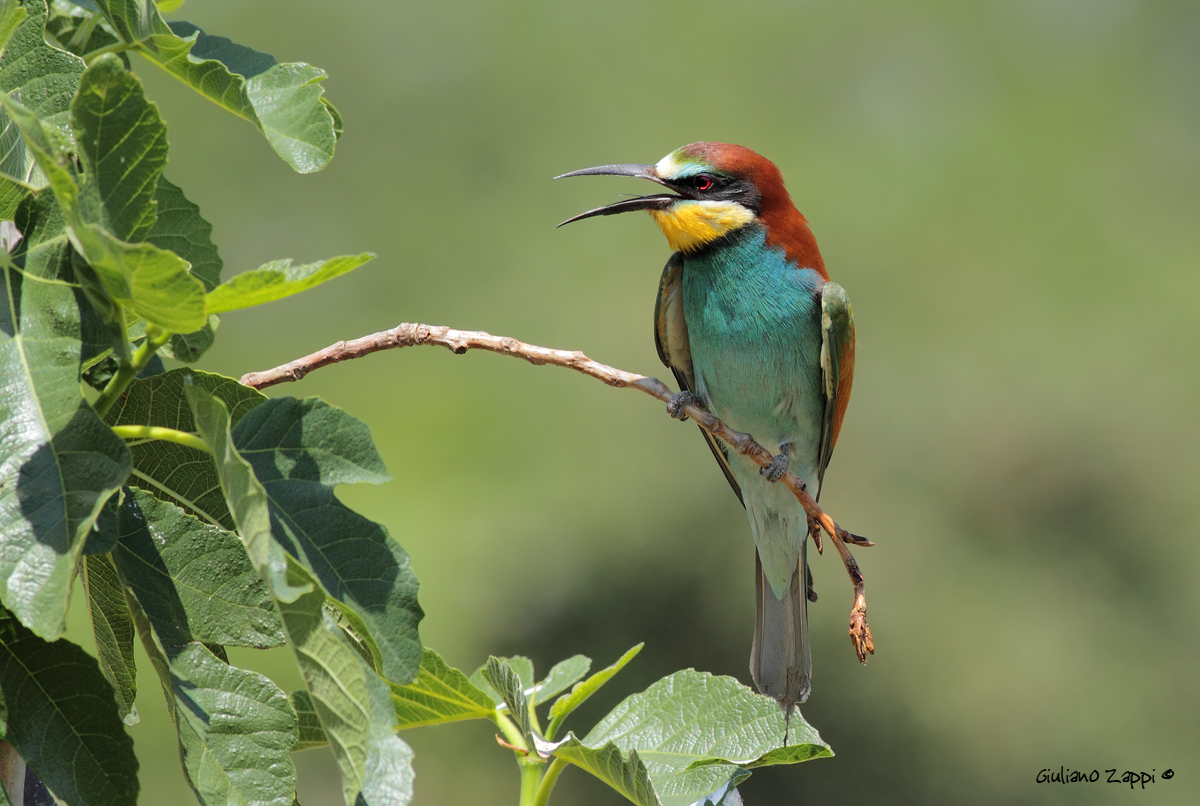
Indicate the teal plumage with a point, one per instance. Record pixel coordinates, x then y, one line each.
754 326
753 330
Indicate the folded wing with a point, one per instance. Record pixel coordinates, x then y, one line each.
837 369
671 339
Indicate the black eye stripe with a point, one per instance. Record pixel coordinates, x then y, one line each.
722 186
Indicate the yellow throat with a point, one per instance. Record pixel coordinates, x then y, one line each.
689 225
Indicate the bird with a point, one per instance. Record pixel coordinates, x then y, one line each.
754 331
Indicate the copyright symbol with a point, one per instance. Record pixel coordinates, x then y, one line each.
1168 775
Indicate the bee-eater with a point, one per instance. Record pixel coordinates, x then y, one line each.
753 330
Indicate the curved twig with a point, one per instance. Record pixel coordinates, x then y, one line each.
460 341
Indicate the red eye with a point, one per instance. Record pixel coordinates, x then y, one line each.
704 182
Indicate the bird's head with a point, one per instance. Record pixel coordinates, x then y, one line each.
716 188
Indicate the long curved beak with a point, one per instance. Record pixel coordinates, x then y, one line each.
660 201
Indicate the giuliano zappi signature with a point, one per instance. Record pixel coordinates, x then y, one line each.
1066 775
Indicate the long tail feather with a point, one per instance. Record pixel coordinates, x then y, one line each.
780 658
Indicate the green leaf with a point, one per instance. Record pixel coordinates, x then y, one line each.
337 118
151 282
244 61
44 79
440 694
727 795
355 632
283 100
389 774
102 538
235 727
102 317
293 115
171 472
561 675
81 6
188 347
194 580
181 229
236 731
697 733
100 373
521 665
299 449
333 672
336 676
626 774
278 279
113 628
501 677
310 733
44 251
60 463
12 14
564 705
48 149
12 193
244 496
193 583
57 710
312 440
388 778
75 30
122 143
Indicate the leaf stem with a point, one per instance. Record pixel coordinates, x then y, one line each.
532 768
129 370
555 724
528 760
115 47
148 432
552 772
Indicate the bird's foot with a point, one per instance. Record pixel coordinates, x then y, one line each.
860 632
778 466
681 400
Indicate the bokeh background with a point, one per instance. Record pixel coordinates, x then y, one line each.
1009 191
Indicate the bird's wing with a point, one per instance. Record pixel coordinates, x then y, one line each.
671 339
837 368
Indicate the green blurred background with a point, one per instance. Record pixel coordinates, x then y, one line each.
1008 190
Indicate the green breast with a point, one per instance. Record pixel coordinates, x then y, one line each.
754 329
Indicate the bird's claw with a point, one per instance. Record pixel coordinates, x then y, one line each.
814 531
860 633
779 465
680 401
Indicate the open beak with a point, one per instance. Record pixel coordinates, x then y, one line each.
659 201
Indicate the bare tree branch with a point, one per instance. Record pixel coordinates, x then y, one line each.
460 341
